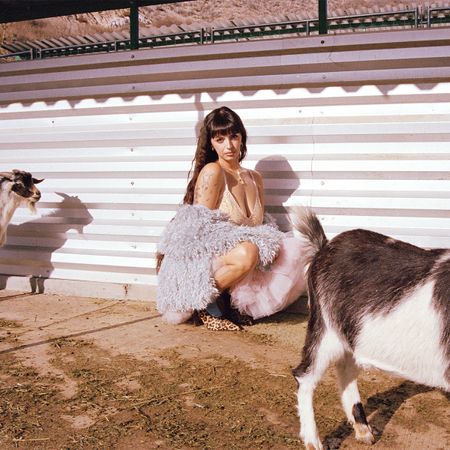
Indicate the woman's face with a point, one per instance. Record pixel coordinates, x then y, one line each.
227 147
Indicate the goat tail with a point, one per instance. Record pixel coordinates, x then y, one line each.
305 221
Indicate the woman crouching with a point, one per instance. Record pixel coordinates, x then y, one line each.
221 256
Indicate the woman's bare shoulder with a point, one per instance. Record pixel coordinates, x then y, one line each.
256 176
211 169
211 173
209 185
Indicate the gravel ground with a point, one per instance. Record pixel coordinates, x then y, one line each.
81 373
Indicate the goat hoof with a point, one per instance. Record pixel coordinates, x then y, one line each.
312 444
364 434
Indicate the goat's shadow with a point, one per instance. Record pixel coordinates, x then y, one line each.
277 166
381 407
44 235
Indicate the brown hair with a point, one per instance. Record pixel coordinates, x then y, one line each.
220 122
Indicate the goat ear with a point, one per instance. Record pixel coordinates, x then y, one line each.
36 181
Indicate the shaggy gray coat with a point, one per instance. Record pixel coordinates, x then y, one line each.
189 243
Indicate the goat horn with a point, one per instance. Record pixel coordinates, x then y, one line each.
7 175
37 181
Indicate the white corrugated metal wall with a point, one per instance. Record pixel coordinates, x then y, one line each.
355 125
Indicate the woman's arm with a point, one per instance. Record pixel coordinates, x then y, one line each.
209 186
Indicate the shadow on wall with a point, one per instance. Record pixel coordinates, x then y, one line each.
200 114
384 89
278 167
44 236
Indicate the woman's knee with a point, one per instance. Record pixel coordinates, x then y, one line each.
247 255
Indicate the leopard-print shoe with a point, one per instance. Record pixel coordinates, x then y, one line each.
217 323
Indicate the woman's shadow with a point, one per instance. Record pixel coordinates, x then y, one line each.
280 183
276 167
44 236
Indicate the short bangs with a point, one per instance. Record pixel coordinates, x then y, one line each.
225 129
226 124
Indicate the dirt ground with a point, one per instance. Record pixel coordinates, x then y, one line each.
81 373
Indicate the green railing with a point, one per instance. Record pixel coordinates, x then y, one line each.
413 18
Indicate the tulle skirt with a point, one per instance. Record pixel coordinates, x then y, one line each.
263 293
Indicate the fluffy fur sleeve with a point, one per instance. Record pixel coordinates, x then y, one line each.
189 243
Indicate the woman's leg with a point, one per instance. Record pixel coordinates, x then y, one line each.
228 270
236 264
214 310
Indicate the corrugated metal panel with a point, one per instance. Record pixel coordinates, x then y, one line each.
356 126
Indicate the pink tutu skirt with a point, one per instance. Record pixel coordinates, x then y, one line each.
262 293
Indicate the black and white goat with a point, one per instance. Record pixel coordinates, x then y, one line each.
374 301
16 188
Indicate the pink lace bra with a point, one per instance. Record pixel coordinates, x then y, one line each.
231 207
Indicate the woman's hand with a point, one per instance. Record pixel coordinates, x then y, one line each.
209 186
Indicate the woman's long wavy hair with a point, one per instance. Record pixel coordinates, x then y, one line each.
220 122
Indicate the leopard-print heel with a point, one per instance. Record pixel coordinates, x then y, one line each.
217 323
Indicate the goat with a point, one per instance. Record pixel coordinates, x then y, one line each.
16 188
374 301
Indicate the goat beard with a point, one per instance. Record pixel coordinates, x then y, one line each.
32 207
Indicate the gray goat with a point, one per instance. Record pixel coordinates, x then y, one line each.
374 301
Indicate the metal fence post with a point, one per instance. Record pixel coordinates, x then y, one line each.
134 25
323 26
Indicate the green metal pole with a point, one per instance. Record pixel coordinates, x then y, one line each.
323 27
134 25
